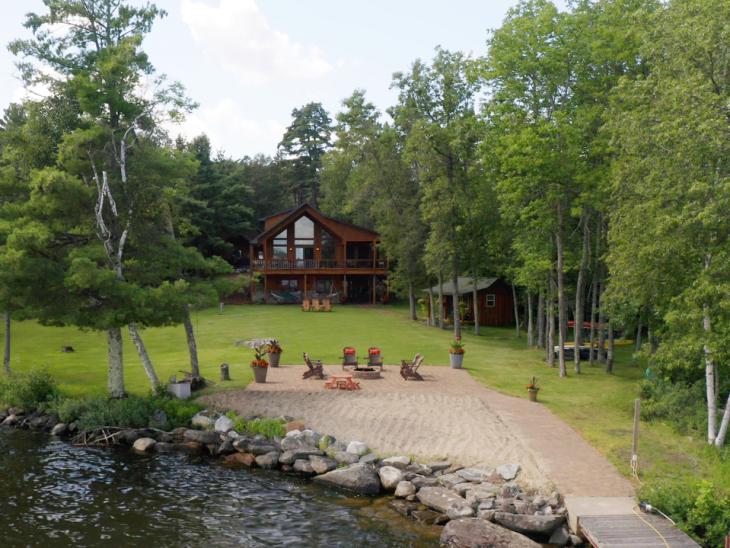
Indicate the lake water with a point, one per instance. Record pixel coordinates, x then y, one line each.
54 494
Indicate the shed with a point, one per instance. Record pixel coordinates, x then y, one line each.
494 300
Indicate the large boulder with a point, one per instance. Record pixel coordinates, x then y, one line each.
479 533
397 462
223 424
144 445
445 501
390 477
529 525
360 478
201 420
322 465
202 436
508 471
358 448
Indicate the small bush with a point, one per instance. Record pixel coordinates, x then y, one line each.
33 390
179 412
701 510
270 428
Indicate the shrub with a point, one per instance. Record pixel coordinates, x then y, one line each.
270 428
30 391
701 510
674 402
179 412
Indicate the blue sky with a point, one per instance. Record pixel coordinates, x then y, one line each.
248 63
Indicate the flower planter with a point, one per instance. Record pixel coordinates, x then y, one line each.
274 358
532 393
456 360
180 390
259 373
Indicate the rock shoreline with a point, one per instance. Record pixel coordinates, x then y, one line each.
479 506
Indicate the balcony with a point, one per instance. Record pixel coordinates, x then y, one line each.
312 264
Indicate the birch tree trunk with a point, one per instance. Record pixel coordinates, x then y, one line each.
709 380
541 320
517 312
720 439
609 354
561 293
594 301
475 305
441 301
580 295
6 357
192 345
431 305
550 311
412 302
115 378
143 355
530 327
455 305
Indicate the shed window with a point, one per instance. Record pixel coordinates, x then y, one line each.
491 300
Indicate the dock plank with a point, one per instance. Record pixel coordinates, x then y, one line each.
628 531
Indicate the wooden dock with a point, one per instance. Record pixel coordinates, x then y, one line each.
633 531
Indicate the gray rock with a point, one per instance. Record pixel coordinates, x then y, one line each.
322 465
445 501
486 514
429 517
418 468
438 466
345 457
507 505
479 533
487 504
311 437
260 447
360 478
202 436
524 507
450 480
226 448
423 481
531 525
404 508
144 445
10 420
223 424
294 440
511 489
201 420
508 471
370 458
474 474
405 489
390 477
303 466
358 448
560 537
288 457
60 429
397 462
269 460
462 488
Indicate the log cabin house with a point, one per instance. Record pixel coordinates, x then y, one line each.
304 253
494 299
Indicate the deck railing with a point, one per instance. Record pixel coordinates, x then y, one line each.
312 264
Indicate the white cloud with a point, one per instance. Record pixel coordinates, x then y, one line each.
239 36
230 130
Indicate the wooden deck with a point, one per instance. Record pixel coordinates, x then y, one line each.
630 531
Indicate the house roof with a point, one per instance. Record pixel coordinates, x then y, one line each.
465 284
308 209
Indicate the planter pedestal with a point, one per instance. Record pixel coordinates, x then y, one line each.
456 360
180 390
259 373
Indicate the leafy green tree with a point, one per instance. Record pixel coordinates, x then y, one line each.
304 143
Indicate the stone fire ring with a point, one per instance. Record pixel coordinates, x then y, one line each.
366 373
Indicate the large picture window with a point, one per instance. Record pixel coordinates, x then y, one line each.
280 246
328 250
304 239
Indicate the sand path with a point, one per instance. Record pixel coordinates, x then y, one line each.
449 416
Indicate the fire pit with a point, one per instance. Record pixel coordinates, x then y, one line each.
365 373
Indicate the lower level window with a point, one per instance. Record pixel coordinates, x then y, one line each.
289 284
324 286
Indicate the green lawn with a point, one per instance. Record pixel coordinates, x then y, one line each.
598 405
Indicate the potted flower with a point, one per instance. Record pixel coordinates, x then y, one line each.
456 353
275 351
532 389
259 365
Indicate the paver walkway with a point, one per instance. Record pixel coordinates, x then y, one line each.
448 415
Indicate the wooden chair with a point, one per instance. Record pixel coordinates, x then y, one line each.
313 370
326 305
306 305
315 305
409 371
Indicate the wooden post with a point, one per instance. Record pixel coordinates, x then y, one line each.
266 289
373 288
225 373
635 439
304 295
